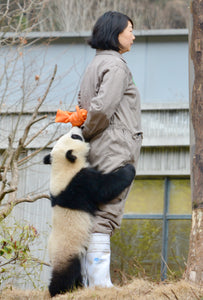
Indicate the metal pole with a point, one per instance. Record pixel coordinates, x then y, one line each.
165 230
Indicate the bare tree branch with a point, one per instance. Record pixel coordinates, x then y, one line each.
9 261
34 115
8 207
39 132
10 161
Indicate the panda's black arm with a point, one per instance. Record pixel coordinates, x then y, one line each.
114 183
81 192
89 188
95 188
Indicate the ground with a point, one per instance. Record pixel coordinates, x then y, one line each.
138 289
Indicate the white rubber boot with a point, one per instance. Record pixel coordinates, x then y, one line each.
98 261
84 270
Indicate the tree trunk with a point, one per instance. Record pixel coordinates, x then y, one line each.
194 271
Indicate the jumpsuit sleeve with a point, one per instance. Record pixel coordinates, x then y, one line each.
104 104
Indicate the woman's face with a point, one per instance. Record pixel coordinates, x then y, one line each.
126 38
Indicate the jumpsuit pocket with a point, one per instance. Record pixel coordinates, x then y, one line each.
133 144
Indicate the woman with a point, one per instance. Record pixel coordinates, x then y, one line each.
112 127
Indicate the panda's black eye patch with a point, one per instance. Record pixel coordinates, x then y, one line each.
72 158
76 137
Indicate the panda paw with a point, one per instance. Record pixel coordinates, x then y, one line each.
130 171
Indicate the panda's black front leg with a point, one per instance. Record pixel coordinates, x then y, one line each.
114 183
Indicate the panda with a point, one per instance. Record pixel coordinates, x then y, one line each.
76 190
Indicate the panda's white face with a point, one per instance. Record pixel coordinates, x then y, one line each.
67 158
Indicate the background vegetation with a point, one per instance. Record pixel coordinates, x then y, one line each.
80 15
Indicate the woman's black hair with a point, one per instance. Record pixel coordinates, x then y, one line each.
106 30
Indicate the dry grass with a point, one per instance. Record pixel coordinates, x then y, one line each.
138 289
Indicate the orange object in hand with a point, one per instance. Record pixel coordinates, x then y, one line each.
76 118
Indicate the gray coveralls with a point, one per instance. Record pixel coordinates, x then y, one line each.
113 125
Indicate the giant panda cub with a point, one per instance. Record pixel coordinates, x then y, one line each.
76 191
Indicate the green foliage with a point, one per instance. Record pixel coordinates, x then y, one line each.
22 22
179 231
16 260
136 250
17 15
11 249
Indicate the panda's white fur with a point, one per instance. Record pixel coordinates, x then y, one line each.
62 170
77 232
76 192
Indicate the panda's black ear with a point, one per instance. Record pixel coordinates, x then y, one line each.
72 158
47 159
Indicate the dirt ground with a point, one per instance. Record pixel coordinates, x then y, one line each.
138 289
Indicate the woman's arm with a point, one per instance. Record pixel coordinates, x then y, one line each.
104 105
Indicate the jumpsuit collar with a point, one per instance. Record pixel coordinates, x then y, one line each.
110 52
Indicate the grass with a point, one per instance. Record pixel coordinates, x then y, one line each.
138 289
